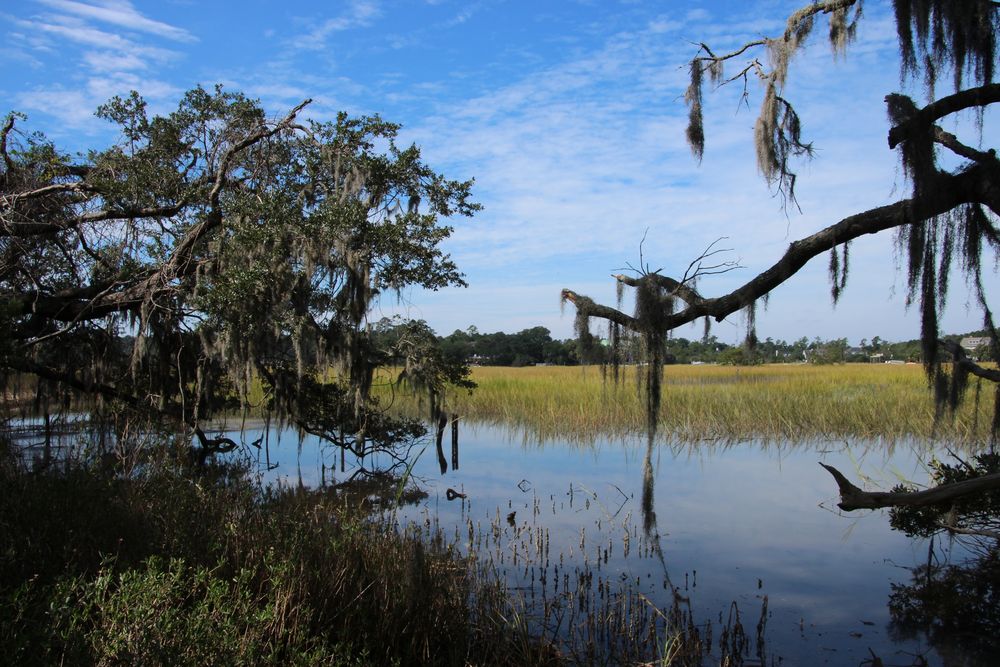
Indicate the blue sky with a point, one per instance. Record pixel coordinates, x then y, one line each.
569 115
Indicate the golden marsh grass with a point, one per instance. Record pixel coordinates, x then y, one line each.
771 402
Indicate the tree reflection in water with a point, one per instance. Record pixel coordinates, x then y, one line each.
956 605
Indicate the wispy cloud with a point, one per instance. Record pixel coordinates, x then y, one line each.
357 14
82 33
576 161
107 42
120 13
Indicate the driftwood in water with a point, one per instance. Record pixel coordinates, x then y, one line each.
209 446
854 498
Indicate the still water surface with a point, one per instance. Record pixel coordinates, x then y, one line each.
736 522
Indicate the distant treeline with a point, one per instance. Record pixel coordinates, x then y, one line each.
536 346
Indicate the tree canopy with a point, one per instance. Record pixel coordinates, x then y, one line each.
214 250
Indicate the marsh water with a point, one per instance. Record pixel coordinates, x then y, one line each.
745 527
735 523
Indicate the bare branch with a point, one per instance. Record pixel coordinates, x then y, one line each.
697 269
854 498
683 288
951 142
714 58
951 527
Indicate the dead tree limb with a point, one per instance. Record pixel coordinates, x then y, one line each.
976 185
854 498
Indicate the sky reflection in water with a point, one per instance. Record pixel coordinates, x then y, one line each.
736 522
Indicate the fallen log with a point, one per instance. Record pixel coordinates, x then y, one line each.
854 498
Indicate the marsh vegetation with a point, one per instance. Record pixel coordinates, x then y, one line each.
779 402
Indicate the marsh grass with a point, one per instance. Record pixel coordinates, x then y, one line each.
775 402
580 601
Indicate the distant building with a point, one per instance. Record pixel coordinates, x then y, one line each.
970 343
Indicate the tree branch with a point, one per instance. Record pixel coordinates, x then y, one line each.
589 308
95 301
951 527
980 96
688 294
978 184
34 228
961 358
951 142
185 247
854 498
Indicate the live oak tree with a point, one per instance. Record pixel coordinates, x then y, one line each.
213 250
949 216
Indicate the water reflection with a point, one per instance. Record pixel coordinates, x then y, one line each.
731 521
443 419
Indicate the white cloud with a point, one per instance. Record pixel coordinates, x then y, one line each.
98 40
358 14
74 30
120 13
662 26
576 161
109 61
74 108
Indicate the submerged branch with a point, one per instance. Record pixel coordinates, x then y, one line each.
854 498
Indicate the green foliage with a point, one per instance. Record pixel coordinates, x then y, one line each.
166 613
524 348
234 247
830 352
734 356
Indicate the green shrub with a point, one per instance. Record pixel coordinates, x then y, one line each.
167 567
